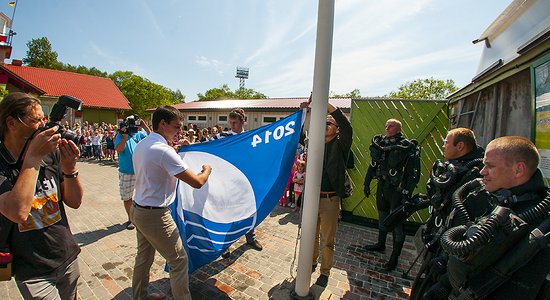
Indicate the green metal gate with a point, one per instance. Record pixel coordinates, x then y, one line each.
423 120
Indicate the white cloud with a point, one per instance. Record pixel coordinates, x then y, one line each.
153 19
291 66
116 63
213 64
278 32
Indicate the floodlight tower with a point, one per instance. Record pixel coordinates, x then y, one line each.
242 74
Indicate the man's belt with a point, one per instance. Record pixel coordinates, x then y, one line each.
148 207
328 194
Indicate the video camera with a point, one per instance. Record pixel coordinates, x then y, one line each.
58 112
130 125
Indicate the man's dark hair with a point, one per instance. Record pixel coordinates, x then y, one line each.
464 135
166 113
15 105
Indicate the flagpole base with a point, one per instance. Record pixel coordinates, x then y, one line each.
295 296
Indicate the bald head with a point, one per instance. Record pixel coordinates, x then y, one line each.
393 127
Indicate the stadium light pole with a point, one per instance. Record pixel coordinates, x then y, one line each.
316 146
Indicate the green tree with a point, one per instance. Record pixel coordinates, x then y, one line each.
3 92
428 88
84 70
355 94
142 93
244 93
41 55
224 92
177 95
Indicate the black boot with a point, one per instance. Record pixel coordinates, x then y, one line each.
394 257
381 245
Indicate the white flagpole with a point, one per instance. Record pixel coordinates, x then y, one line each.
316 146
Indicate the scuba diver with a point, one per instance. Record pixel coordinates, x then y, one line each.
464 161
503 255
395 162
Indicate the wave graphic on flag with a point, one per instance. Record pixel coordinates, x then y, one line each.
249 174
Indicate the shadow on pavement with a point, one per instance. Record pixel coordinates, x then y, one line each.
89 237
367 277
291 217
219 265
107 163
157 286
286 290
282 290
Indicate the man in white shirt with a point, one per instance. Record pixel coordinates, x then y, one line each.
157 167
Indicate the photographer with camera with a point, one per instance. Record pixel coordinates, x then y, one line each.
38 177
130 132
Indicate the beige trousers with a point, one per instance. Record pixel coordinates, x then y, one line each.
156 231
327 222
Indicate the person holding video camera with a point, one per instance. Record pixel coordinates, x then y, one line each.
38 177
130 132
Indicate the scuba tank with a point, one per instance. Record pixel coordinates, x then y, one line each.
497 244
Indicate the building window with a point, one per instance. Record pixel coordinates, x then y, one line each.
196 118
222 119
270 119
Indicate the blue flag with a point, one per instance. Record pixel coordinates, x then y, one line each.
249 174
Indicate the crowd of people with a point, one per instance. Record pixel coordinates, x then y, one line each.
486 237
97 140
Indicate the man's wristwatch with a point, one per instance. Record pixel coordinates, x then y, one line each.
72 175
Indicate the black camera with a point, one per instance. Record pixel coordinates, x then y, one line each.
58 112
130 125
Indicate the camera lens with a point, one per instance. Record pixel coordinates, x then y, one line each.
69 136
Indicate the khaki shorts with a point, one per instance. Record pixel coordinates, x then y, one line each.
126 183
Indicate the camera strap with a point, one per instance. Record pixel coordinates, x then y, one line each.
11 173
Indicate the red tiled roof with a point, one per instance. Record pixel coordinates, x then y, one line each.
269 103
92 90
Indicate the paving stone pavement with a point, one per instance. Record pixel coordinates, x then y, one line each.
108 252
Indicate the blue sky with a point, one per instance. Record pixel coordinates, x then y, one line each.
196 45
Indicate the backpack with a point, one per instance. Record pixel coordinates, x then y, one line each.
348 187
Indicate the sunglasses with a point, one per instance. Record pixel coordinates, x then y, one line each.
330 123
